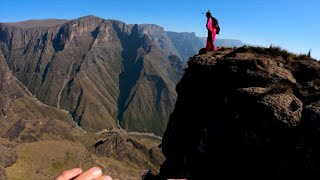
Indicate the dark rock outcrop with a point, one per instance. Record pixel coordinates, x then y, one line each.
247 112
132 151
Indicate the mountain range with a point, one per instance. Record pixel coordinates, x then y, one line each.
105 73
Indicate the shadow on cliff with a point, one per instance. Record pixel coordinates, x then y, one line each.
132 66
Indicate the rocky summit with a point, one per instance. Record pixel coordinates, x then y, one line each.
246 112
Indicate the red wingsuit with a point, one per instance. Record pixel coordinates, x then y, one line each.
211 35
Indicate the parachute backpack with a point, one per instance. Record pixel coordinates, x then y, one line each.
217 25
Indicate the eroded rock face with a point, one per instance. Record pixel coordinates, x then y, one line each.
103 72
244 113
285 108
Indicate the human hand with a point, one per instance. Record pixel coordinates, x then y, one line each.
94 173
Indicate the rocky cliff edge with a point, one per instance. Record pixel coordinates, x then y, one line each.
248 112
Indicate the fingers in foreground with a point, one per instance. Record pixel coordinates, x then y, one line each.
69 174
92 173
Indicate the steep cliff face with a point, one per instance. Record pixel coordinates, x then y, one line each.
187 44
17 103
247 112
160 37
103 72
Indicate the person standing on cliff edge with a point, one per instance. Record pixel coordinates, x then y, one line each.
213 29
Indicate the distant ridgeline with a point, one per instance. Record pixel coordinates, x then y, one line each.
223 42
189 44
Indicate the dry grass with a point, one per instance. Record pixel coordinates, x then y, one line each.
273 51
46 159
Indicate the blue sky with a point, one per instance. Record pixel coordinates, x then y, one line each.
291 24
